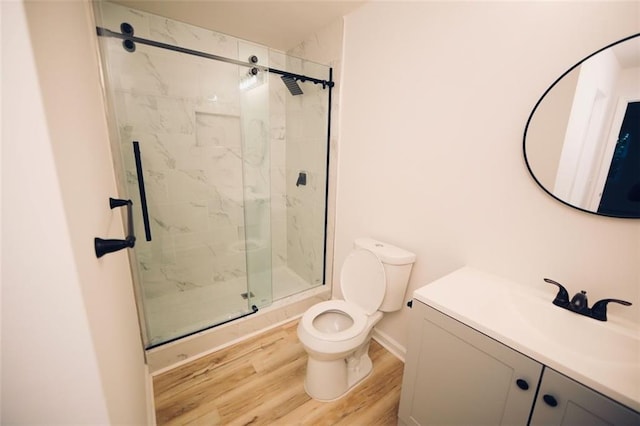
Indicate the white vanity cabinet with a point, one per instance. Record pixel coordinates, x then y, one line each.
455 375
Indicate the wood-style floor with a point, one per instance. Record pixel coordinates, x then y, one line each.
260 382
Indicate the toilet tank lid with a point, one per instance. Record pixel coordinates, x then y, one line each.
391 255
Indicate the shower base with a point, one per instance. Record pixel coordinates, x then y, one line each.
198 306
173 354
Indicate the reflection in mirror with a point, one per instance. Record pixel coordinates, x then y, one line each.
582 140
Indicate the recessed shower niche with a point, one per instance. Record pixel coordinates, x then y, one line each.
209 134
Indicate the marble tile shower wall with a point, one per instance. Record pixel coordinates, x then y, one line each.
306 153
305 228
298 144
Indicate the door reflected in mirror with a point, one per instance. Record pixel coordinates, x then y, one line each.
582 139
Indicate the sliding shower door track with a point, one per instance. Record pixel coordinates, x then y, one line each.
104 32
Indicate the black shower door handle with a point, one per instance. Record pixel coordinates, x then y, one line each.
102 246
143 194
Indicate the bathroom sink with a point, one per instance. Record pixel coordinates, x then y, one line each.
565 331
604 356
524 317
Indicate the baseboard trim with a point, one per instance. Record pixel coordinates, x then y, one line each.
151 406
389 344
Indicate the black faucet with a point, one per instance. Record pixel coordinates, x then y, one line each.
579 303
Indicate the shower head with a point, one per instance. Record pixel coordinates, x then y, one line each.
292 85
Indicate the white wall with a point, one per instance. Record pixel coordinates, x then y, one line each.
435 98
544 142
71 351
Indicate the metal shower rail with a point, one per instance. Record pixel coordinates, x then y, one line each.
104 32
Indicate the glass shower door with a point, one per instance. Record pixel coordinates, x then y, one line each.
201 128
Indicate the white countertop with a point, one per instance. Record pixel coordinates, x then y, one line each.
604 356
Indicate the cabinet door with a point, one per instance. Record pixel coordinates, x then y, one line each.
455 375
562 401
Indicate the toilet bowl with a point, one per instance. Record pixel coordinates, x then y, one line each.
335 328
336 333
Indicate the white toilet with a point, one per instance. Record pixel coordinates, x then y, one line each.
336 333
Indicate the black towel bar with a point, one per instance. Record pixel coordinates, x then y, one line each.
103 247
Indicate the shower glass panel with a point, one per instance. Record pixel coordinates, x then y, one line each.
202 129
299 175
231 159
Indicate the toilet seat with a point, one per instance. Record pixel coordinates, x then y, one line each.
358 316
363 284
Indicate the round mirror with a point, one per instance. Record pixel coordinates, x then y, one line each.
582 139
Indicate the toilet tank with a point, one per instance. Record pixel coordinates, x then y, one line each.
397 264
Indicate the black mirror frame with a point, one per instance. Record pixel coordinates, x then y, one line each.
526 128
